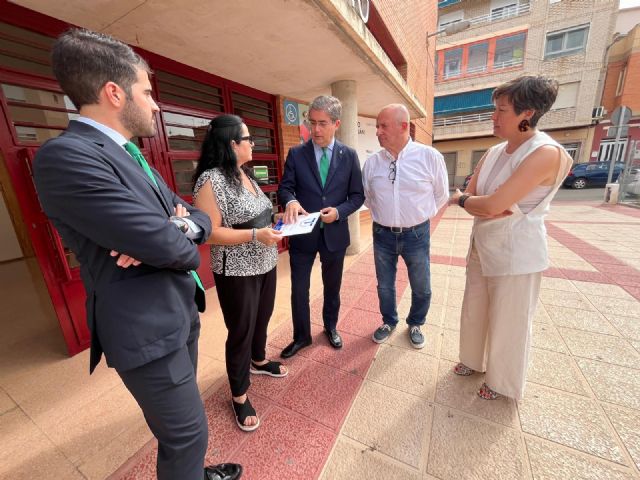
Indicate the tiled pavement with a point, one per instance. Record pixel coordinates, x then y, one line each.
392 412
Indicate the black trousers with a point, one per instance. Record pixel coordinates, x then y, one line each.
168 395
301 263
247 305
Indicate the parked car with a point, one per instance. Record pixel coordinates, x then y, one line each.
591 174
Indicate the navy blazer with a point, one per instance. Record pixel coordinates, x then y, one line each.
342 190
99 199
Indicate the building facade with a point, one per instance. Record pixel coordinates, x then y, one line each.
563 39
260 60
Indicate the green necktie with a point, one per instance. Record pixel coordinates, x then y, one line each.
324 166
324 170
133 150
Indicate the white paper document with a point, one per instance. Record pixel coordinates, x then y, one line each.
304 224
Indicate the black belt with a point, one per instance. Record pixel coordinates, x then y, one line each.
401 229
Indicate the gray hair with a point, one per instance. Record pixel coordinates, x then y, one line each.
328 104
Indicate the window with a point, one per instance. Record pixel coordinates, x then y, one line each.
567 96
452 63
450 18
573 149
566 42
503 9
188 93
509 51
450 160
24 50
621 78
477 58
476 156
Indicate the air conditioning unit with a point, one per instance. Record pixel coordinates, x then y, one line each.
598 112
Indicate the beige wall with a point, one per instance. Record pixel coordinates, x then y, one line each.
464 148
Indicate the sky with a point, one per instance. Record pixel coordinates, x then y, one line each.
629 3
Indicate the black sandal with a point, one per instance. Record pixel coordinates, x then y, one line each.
270 368
242 411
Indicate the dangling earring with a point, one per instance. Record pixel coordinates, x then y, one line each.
524 125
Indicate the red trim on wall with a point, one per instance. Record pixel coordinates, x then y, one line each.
381 33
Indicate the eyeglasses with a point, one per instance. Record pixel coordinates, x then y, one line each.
248 138
321 123
392 171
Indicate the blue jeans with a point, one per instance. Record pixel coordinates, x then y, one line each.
413 247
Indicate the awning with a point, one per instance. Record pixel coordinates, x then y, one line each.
463 102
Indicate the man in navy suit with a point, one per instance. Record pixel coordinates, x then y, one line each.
136 243
320 175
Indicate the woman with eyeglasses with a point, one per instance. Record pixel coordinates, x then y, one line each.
508 195
244 254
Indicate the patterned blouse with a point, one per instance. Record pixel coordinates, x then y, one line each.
238 205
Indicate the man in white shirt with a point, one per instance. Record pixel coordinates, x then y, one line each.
405 184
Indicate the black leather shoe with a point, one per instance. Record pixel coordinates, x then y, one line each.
334 338
293 348
223 471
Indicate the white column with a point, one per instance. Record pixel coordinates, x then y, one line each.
346 92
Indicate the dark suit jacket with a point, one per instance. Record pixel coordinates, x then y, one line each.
99 199
343 190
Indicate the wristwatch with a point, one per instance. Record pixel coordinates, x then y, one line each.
180 223
463 198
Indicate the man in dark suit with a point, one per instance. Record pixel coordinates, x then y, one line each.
320 175
136 243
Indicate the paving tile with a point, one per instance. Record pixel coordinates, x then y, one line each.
602 289
439 281
548 462
435 315
547 337
405 370
6 403
354 281
541 315
460 393
348 297
368 301
432 337
454 298
568 420
468 448
604 348
627 424
390 421
116 457
616 306
308 394
27 453
629 327
271 387
612 383
450 349
354 357
560 284
298 448
360 322
555 370
636 344
354 461
451 318
590 321
564 299
457 283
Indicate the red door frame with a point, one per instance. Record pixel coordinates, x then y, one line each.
63 283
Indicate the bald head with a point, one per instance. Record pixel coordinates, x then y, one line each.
392 128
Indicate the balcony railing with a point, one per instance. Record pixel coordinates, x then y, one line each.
462 119
502 14
477 70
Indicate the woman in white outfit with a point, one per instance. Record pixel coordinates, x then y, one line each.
509 196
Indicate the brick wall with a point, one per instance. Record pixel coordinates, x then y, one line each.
624 53
408 21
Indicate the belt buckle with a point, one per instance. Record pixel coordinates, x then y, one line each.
396 229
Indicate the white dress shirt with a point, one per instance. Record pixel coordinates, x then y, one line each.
420 188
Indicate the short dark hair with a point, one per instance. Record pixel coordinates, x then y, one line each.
83 61
529 93
217 151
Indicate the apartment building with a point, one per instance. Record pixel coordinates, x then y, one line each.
563 39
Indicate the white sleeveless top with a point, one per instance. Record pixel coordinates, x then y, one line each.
516 244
